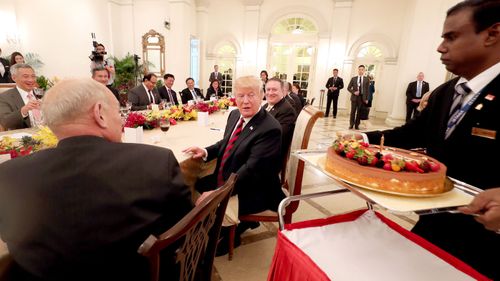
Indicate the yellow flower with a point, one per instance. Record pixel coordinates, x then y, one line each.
46 138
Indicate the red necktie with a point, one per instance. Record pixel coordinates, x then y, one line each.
227 151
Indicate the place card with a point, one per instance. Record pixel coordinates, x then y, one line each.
190 102
231 108
4 157
202 118
133 135
155 107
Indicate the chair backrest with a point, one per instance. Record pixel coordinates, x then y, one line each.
197 233
6 86
312 100
295 167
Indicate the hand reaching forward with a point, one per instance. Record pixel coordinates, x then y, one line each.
195 151
487 205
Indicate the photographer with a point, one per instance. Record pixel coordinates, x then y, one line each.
98 61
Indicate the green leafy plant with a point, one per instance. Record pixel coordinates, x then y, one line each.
43 82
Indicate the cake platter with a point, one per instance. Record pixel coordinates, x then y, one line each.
448 186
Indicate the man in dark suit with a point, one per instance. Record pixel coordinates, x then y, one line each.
215 75
19 105
292 98
4 70
251 147
282 111
190 93
166 92
359 89
76 215
414 93
334 85
101 75
144 95
460 127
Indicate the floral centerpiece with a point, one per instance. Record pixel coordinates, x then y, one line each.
136 119
225 103
42 139
209 107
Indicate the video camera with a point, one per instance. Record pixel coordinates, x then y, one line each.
95 56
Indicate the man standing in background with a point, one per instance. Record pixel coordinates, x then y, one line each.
4 70
334 85
414 93
359 89
216 75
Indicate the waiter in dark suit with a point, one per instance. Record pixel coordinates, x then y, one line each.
251 147
414 93
359 89
144 95
279 107
215 75
76 215
190 93
460 127
166 92
4 70
334 85
18 106
292 98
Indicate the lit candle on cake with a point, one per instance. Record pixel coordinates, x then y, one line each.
381 143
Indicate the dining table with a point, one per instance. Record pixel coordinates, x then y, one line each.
180 136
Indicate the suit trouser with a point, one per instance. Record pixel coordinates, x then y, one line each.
332 98
411 109
355 111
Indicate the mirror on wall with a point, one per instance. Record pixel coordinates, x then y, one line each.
153 52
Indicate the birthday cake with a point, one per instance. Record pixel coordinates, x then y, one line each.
388 169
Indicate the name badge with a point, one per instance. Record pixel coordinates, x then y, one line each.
484 133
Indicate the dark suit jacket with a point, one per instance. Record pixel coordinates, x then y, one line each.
284 112
339 83
256 160
80 216
211 91
5 78
164 95
114 91
411 91
139 97
295 101
213 77
186 95
10 110
365 88
465 155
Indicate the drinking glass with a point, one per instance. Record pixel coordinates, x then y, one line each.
38 93
165 125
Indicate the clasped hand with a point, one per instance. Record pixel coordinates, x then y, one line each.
487 205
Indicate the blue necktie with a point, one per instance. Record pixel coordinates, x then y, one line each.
419 89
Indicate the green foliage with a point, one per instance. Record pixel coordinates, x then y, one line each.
159 83
125 72
43 82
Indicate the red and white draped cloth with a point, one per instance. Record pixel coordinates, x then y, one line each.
362 245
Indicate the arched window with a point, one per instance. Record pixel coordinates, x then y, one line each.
370 52
226 55
295 26
370 55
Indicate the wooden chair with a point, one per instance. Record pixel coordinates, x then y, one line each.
197 234
294 172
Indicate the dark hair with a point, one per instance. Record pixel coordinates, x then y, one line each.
277 80
263 71
100 44
289 86
99 68
485 13
13 57
189 78
335 69
166 76
297 86
213 81
361 66
148 76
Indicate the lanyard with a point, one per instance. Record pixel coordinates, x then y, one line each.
459 114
